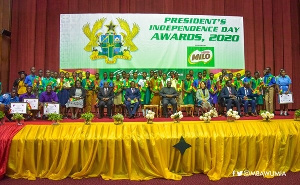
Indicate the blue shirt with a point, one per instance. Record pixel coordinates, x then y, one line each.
7 99
284 82
272 81
29 80
247 79
197 83
102 83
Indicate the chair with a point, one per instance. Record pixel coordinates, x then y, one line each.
137 114
169 107
105 107
224 105
152 107
188 107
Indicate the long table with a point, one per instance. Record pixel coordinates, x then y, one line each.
140 151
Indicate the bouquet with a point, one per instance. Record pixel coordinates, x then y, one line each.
55 118
88 117
206 117
19 118
150 116
177 116
118 119
232 115
266 115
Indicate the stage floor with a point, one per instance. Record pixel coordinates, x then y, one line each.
140 151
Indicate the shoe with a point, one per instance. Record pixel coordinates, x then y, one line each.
246 115
109 117
281 113
44 117
253 114
285 113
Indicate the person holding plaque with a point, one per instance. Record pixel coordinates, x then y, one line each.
77 99
247 97
49 96
31 114
132 97
5 101
105 97
283 84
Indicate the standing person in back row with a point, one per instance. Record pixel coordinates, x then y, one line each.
269 84
283 86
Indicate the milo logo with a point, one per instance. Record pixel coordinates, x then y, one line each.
200 56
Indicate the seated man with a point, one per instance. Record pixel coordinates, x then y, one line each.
132 97
31 113
49 96
230 95
5 101
168 95
247 97
105 97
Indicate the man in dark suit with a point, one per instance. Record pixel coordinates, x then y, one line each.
247 97
230 95
168 95
132 97
105 96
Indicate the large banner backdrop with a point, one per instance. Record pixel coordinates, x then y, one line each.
151 41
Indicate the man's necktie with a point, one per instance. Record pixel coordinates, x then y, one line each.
229 89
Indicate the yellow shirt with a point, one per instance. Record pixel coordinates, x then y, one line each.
21 87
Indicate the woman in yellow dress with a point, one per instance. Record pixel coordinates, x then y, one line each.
21 84
155 88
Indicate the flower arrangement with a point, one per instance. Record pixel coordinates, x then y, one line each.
88 117
267 116
177 116
18 117
118 119
2 115
150 116
232 115
206 117
55 118
297 115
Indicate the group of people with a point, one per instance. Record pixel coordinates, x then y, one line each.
76 93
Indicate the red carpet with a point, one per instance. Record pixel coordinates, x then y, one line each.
7 132
197 179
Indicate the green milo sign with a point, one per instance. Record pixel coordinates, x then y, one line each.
200 57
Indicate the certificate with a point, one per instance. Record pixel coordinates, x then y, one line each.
286 98
51 108
33 102
20 108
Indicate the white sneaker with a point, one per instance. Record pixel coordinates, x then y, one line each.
281 113
285 113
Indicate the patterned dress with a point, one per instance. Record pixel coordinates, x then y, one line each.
257 85
155 86
188 97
